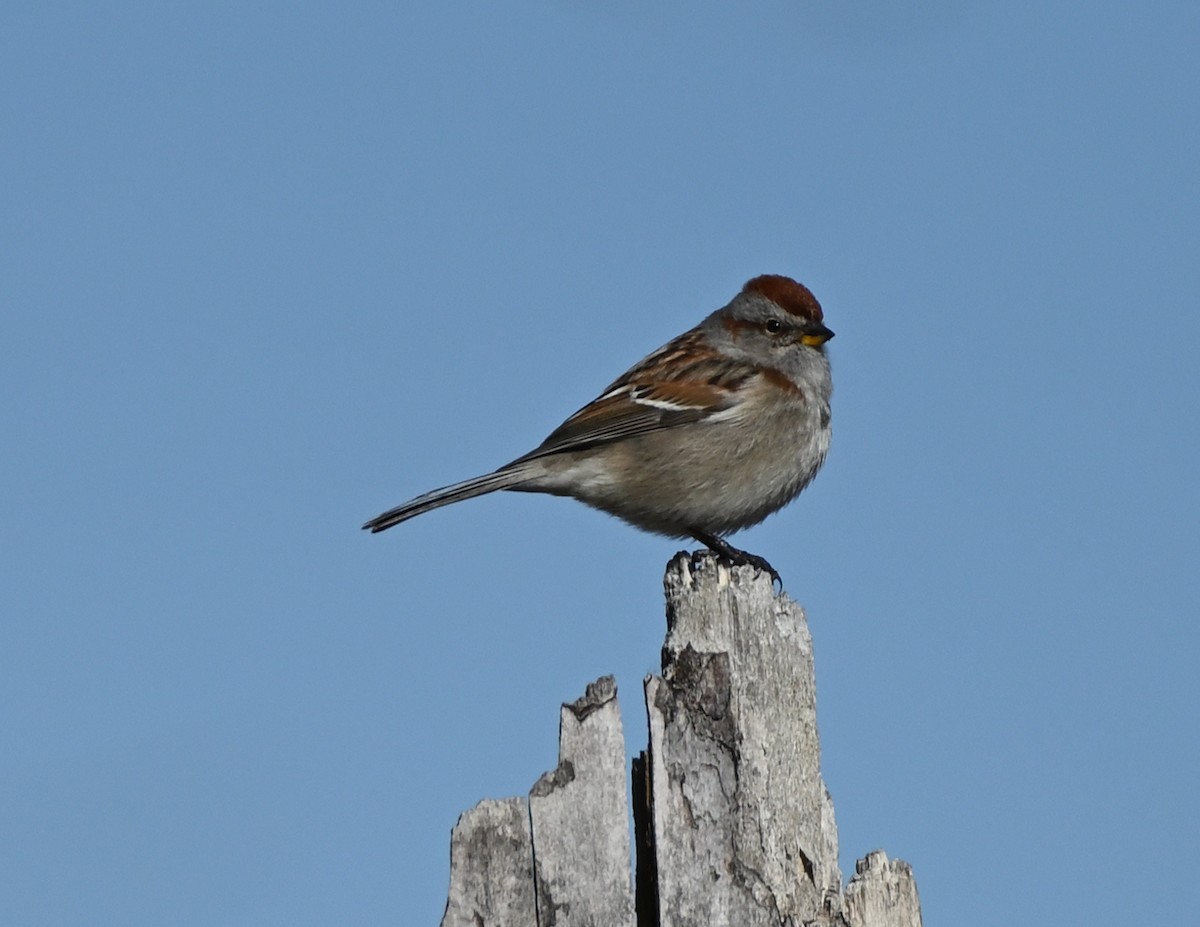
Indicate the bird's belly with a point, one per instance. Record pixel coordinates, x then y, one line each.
715 480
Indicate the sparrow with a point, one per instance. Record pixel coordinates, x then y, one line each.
709 434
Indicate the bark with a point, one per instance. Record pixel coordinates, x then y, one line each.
743 825
733 824
580 819
491 867
882 893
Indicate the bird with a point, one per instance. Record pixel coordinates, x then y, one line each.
717 429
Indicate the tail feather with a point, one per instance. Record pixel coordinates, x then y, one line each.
467 489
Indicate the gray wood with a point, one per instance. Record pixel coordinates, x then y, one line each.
491 867
580 815
744 832
882 893
734 825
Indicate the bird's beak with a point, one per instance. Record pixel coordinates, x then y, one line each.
816 335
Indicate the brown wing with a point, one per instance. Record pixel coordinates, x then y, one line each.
681 383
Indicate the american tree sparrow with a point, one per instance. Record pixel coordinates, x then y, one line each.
712 432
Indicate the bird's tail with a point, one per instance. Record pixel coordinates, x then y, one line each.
467 489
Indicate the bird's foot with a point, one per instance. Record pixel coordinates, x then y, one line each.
735 557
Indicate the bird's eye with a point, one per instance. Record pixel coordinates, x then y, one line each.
774 326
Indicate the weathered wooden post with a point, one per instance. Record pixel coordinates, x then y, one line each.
733 824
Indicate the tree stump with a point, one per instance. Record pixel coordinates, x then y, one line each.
733 824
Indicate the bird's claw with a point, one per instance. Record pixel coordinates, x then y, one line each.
760 564
733 556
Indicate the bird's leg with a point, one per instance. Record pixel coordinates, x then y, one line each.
736 557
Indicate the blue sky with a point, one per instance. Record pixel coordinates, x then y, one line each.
269 269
